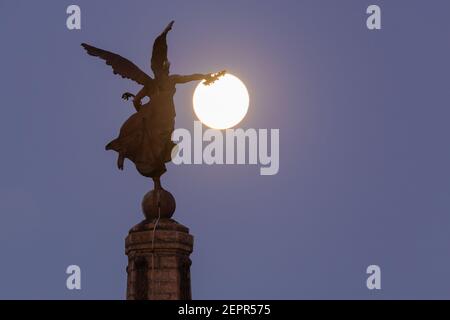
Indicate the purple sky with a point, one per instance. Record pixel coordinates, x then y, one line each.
364 157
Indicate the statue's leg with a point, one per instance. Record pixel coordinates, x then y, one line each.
157 183
120 161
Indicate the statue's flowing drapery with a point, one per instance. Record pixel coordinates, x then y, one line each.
145 138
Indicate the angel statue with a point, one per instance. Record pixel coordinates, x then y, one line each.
145 138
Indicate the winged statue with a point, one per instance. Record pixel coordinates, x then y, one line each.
145 137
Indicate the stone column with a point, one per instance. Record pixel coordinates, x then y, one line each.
158 261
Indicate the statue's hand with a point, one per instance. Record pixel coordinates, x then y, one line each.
127 96
212 77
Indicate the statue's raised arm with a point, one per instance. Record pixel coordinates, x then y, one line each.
209 77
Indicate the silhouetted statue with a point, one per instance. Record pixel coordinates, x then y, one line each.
145 138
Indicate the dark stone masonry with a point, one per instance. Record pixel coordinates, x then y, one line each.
158 261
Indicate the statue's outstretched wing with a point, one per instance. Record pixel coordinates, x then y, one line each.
120 65
159 61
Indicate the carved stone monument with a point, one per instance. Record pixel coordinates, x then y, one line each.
158 261
158 252
158 248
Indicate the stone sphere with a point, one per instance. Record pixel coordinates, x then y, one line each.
167 204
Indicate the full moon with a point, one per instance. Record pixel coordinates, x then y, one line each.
223 104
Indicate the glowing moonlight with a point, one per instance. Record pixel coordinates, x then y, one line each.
222 104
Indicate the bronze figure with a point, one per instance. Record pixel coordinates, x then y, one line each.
145 138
